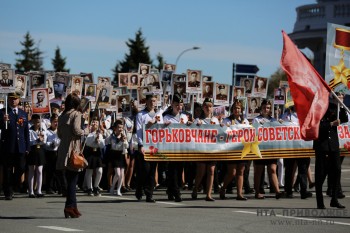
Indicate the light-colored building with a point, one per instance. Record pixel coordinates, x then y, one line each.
310 28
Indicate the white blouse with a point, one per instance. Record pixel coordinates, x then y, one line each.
34 136
142 118
95 142
52 141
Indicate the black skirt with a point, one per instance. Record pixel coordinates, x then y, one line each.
36 156
236 161
117 159
93 156
265 161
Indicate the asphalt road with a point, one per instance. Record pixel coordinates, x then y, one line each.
125 214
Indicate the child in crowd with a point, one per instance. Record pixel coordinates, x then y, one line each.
117 151
51 147
36 157
92 151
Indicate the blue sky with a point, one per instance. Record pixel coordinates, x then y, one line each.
92 34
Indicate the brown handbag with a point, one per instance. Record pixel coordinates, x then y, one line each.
77 160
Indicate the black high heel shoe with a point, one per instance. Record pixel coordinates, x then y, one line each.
69 212
194 194
209 199
311 185
336 204
241 198
170 197
222 193
279 195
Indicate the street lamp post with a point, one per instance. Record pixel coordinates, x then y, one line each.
186 50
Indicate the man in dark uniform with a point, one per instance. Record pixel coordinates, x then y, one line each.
123 106
327 154
15 135
248 86
142 95
207 92
180 89
37 81
221 95
193 80
103 97
5 81
279 94
90 91
40 100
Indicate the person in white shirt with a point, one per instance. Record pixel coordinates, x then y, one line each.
36 157
117 152
133 145
235 168
92 151
145 169
174 116
205 166
52 143
303 164
259 165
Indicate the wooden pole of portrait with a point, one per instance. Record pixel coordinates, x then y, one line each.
88 113
276 110
192 103
6 110
96 110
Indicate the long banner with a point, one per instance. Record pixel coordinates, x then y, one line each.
179 142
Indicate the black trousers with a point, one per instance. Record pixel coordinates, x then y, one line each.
61 176
303 166
72 180
190 173
145 175
13 168
327 163
340 190
175 169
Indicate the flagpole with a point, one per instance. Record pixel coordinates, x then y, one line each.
338 110
340 102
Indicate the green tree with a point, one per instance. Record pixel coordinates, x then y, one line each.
59 62
274 81
161 61
138 53
30 57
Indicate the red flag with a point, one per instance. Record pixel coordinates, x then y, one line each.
309 91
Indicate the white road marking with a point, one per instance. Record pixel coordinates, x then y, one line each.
170 203
117 197
59 228
300 218
160 202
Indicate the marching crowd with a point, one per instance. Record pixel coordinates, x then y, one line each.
35 151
